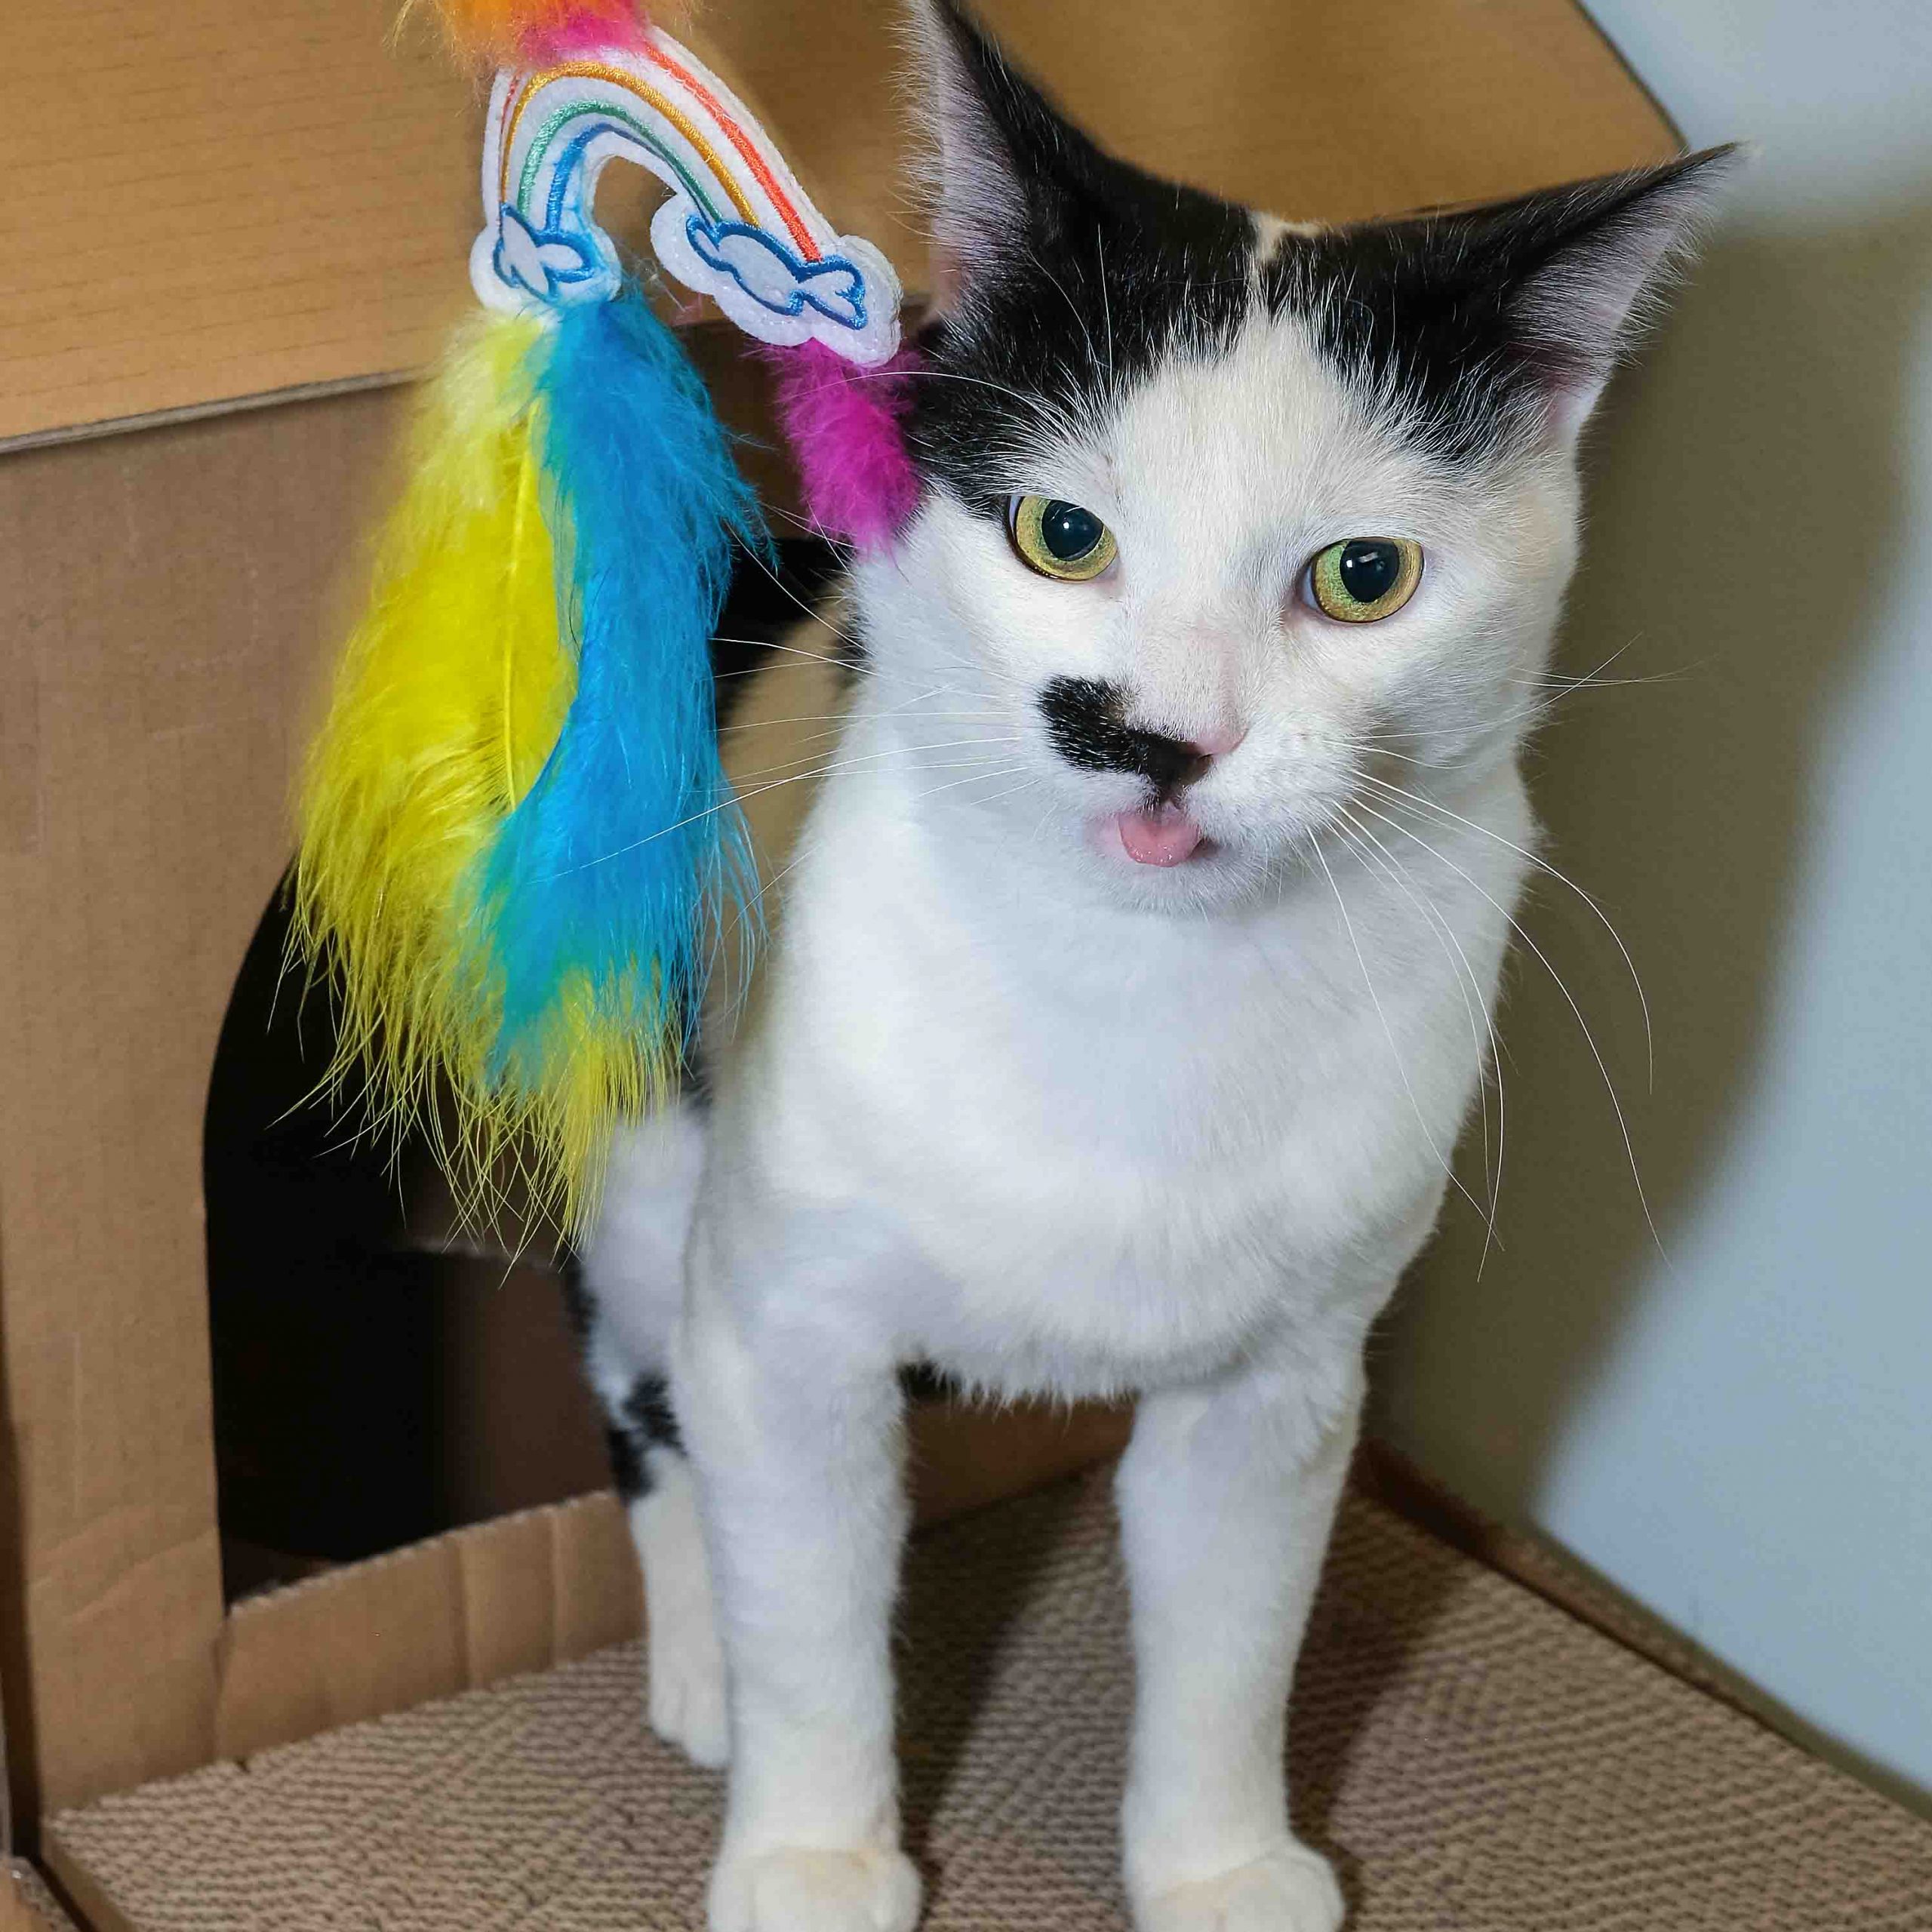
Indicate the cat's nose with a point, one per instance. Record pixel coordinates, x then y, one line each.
1169 761
1086 720
1218 743
1172 763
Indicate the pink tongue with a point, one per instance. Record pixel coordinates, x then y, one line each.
1165 836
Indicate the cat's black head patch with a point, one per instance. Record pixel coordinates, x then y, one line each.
1078 275
1464 327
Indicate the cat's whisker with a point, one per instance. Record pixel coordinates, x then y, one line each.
1039 406
859 759
1106 307
1563 686
739 796
784 649
746 909
818 615
1446 936
1388 1033
1352 833
997 771
807 526
840 718
1415 800
1597 670
1543 958
1086 334
838 722
811 744
664 831
1031 779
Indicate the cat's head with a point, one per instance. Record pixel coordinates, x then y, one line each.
1221 513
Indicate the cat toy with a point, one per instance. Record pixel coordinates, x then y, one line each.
518 851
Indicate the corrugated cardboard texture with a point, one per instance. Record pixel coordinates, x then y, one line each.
26 1903
521 1593
214 199
536 1589
1477 1760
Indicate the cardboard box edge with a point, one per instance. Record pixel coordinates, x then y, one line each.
290 1659
28 1904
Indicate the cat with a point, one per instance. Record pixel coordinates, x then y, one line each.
1142 826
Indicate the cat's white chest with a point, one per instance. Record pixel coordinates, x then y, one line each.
1122 1148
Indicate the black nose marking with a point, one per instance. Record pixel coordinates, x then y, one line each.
1086 722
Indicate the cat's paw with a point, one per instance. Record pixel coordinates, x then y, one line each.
684 1681
1291 1890
796 1890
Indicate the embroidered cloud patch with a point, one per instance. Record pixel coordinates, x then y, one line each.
776 278
541 263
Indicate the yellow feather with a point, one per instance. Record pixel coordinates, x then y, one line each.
447 701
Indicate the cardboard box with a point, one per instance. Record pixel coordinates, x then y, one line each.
26 1905
236 230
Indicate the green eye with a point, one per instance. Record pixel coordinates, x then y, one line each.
1363 578
1060 540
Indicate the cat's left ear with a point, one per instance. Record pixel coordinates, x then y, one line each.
1581 270
1004 170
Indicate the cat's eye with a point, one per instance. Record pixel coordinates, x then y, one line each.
1059 538
1364 578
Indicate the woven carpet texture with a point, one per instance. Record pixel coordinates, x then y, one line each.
1475 1760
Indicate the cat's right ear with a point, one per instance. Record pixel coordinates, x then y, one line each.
990 142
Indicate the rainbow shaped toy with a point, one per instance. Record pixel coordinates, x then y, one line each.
736 228
518 854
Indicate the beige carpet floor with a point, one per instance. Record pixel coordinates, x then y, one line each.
1476 1761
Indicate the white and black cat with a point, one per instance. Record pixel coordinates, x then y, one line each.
1132 965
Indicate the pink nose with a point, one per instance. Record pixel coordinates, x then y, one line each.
1217 744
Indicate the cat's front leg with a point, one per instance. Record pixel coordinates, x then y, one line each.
795 1428
1227 1494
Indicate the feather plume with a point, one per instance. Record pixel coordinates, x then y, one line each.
514 829
448 701
844 426
502 31
599 899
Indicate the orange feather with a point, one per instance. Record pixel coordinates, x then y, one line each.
500 31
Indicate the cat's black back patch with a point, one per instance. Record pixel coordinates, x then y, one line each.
644 1420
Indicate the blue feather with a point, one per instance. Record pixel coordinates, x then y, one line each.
599 884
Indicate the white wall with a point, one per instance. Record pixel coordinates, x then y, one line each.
1739 1435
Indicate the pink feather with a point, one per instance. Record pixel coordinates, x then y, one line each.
586 27
845 425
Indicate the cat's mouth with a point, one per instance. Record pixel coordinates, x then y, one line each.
1162 834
